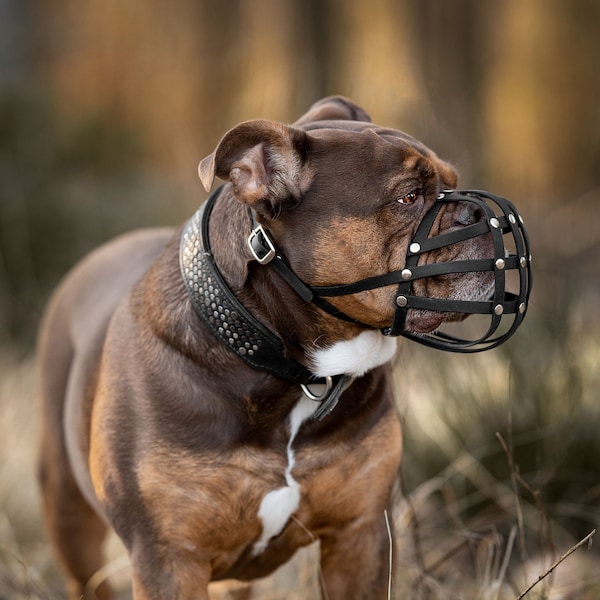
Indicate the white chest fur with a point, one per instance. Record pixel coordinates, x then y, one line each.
280 504
354 357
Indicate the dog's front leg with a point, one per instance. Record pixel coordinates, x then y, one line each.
355 561
173 578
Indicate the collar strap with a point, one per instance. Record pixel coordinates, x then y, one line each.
234 325
501 219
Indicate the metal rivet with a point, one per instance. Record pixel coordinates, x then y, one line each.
523 261
512 219
498 309
406 274
494 223
415 247
401 301
522 307
500 264
441 195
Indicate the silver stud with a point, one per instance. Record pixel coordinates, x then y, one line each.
512 219
415 247
401 301
523 261
494 223
500 264
441 195
522 307
498 309
406 274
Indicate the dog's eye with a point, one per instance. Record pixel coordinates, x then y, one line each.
409 198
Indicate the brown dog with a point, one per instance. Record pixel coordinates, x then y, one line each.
155 421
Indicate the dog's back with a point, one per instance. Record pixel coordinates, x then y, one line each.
69 351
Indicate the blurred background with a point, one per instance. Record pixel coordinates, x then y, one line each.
106 109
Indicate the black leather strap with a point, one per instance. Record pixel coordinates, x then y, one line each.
230 321
219 308
262 247
332 399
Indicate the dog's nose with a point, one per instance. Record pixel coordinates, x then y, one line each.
467 213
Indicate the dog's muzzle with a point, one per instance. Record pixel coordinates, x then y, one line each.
511 254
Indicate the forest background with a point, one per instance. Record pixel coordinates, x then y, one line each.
106 107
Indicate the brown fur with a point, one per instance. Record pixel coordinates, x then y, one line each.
154 428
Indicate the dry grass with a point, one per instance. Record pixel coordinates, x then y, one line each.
474 519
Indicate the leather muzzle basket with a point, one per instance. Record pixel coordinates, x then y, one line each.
511 255
506 309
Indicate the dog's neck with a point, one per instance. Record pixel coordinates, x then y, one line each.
322 343
261 291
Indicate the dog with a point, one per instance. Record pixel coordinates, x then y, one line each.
195 438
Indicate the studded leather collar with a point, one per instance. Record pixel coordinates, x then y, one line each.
233 324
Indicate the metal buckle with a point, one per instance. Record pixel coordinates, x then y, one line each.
259 237
318 396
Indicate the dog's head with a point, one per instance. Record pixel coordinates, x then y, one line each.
343 199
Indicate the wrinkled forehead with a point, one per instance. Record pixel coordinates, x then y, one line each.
357 132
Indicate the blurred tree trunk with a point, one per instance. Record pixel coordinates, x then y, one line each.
372 61
449 40
515 85
542 91
145 63
275 80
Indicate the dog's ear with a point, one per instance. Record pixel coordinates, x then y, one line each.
333 108
262 159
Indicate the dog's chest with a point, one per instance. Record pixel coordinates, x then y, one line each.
278 505
227 509
248 511
368 350
250 507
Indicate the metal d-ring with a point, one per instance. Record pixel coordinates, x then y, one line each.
323 395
